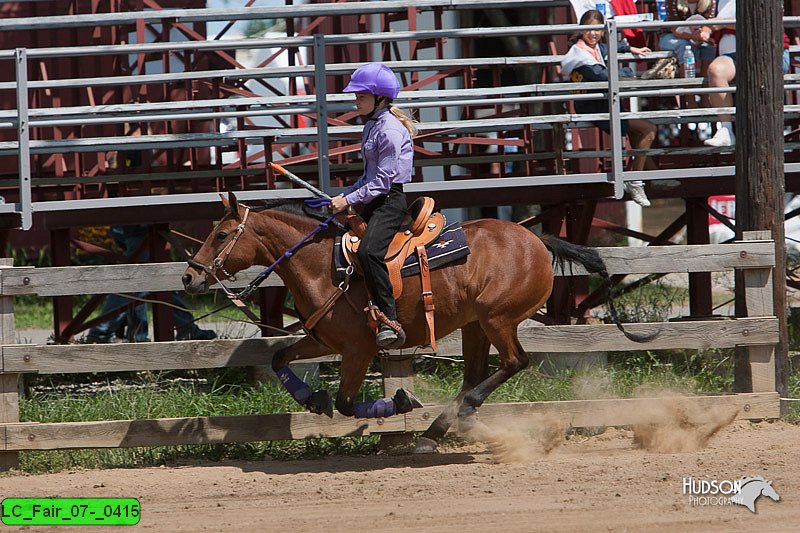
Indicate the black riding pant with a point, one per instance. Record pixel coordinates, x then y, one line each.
384 216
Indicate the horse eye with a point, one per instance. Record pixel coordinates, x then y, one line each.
221 236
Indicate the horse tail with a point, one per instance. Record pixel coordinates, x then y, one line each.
588 257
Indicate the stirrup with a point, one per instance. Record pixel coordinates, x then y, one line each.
389 332
389 337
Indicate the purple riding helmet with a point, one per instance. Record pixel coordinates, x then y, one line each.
374 78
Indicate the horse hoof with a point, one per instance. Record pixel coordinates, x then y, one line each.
320 403
405 402
466 411
467 423
425 445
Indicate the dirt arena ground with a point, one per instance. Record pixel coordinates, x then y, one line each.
587 483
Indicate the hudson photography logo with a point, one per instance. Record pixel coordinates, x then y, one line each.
744 491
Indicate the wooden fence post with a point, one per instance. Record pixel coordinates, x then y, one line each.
9 383
759 302
398 373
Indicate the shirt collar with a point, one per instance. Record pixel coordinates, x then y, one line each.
379 113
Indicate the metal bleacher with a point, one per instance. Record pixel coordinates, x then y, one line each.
530 117
495 124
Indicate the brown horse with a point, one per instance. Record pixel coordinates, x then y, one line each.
505 279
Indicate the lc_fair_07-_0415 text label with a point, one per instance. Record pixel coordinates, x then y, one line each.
69 511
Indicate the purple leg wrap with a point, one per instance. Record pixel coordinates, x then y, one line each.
376 409
296 386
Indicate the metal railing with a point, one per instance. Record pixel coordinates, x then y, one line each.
321 104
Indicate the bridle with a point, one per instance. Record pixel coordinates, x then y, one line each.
237 298
219 262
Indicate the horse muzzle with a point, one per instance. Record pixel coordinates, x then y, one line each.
195 281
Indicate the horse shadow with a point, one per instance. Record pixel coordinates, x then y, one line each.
344 464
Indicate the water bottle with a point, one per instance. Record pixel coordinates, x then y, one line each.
601 7
510 149
688 67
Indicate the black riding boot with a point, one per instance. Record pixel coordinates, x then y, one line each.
389 338
384 216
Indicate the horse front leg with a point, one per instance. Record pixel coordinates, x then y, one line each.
353 370
318 402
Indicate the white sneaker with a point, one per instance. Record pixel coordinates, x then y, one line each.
723 137
636 190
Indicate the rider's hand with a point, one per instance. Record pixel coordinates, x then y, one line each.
339 204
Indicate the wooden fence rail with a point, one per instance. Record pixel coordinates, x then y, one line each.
64 281
758 332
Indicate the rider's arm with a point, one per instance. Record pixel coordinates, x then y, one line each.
596 72
358 184
388 145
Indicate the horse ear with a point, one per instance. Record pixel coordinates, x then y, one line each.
233 205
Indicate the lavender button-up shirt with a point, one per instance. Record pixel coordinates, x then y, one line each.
388 155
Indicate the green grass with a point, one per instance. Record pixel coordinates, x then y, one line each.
653 302
156 397
793 414
33 312
223 392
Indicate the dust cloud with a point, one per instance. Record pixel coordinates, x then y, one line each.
665 421
662 420
592 387
510 442
678 424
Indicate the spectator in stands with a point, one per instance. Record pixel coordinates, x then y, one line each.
722 71
634 36
698 37
134 321
129 239
586 61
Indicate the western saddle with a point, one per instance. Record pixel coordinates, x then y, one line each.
421 228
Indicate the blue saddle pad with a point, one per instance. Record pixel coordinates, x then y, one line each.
450 246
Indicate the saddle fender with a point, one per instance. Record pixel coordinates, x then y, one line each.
424 227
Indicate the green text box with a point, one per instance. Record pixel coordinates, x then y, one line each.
70 511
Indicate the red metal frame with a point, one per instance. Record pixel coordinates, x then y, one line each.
577 217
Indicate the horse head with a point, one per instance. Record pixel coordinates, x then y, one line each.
228 249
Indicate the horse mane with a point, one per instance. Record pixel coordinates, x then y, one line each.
287 205
292 206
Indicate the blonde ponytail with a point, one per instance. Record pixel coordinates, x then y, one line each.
406 119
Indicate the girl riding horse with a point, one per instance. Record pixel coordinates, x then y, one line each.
388 154
506 278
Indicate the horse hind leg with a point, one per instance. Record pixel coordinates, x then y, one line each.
512 360
475 347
